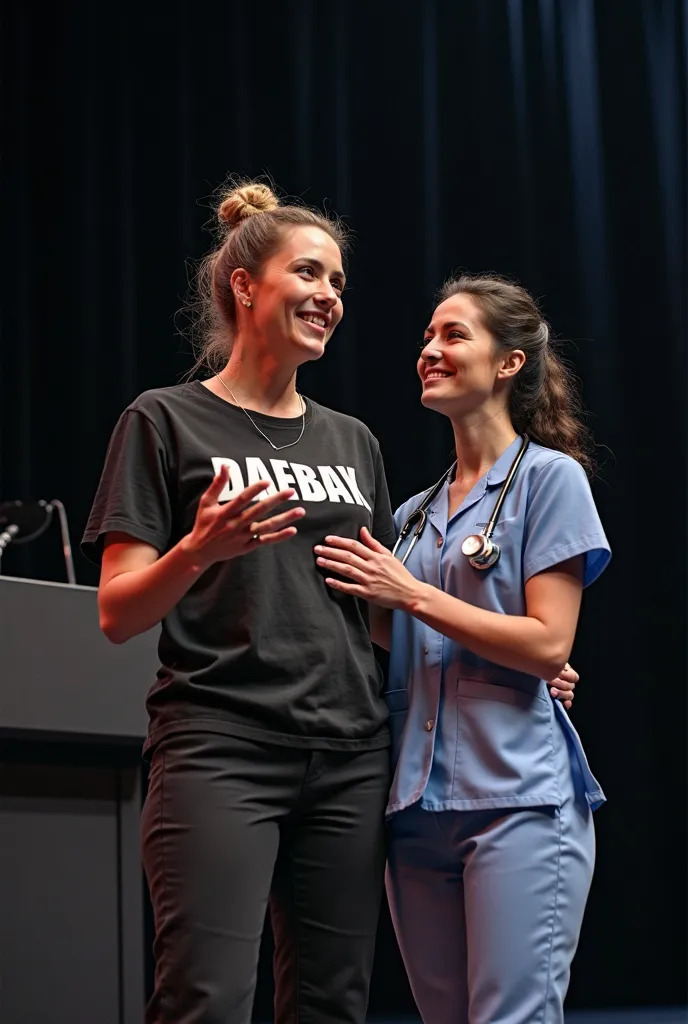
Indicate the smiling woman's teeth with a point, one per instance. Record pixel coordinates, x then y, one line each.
317 320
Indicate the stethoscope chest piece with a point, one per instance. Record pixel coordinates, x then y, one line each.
479 548
481 552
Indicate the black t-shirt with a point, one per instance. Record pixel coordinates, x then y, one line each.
259 646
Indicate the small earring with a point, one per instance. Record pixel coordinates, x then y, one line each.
248 305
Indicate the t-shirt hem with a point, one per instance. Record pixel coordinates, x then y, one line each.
377 741
552 799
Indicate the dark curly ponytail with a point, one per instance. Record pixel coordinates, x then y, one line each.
544 400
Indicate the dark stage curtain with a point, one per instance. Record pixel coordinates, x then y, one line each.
544 139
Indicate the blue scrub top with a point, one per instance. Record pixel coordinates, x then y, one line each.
468 734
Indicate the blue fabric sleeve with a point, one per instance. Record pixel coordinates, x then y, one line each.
562 522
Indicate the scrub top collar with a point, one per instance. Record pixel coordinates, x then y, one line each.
495 477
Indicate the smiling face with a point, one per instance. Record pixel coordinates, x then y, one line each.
461 367
296 299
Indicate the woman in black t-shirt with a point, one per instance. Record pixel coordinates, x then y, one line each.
268 740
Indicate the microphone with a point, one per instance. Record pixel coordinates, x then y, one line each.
8 535
64 534
23 521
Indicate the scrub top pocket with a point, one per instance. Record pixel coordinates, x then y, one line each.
504 744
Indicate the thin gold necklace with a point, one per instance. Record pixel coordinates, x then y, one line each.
274 446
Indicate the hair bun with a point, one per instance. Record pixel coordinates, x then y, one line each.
245 201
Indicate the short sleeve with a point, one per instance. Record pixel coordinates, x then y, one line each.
562 522
133 493
383 523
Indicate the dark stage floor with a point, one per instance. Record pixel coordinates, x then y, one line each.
675 1015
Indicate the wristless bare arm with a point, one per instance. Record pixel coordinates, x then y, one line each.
139 587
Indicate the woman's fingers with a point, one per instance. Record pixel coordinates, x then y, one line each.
338 556
347 588
264 527
347 544
343 568
276 538
373 544
568 674
218 483
244 505
242 500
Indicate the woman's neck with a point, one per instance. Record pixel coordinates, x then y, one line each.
479 442
259 382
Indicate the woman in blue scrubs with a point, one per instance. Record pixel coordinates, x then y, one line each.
491 835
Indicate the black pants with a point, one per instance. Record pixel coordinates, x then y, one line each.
230 824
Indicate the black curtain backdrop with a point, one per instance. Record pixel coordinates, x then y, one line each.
544 139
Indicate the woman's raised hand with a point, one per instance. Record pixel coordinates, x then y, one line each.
241 525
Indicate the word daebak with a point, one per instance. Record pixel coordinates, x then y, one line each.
324 483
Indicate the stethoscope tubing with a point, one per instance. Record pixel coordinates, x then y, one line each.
420 514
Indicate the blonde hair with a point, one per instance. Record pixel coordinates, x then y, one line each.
252 223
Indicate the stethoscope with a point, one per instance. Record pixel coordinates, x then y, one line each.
479 548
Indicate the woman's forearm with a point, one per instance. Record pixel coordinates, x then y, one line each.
519 642
134 601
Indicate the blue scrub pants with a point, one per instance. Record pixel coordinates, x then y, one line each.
487 908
